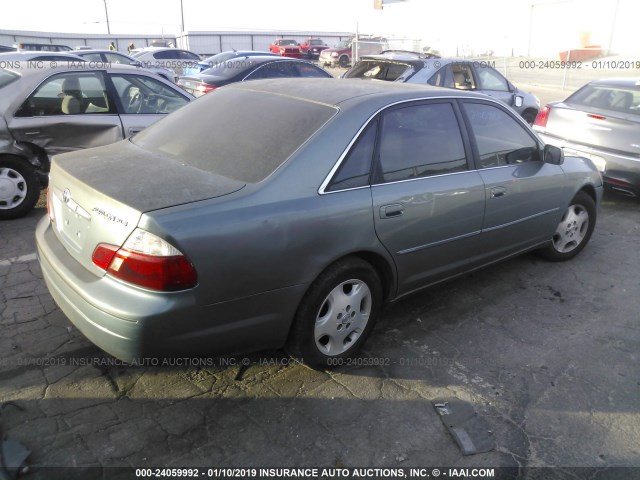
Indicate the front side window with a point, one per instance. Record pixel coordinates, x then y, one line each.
489 79
145 95
500 138
420 141
68 94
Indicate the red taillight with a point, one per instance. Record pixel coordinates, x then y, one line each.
205 87
103 254
167 273
596 117
542 117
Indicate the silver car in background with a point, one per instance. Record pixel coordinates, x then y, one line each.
600 121
49 110
291 220
458 73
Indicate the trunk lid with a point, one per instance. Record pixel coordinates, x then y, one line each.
595 127
98 195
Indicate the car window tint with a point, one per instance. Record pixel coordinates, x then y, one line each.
356 167
211 143
165 55
420 141
489 79
93 57
184 55
275 70
438 78
7 77
67 94
462 76
232 67
500 138
118 59
140 94
378 70
309 70
617 98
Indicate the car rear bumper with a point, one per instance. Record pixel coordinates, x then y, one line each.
137 325
619 172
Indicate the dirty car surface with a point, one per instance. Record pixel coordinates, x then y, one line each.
376 191
44 112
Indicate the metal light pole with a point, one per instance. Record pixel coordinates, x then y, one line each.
182 16
106 14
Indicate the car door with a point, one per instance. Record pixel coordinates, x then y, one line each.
68 111
523 194
428 203
143 100
491 82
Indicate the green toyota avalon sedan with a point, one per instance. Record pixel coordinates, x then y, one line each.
284 213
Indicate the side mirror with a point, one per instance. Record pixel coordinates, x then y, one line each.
518 101
553 155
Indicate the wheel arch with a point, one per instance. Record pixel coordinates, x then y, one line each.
591 191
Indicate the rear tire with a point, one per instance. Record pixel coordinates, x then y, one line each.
336 314
573 231
19 188
529 116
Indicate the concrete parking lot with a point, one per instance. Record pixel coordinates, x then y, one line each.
546 353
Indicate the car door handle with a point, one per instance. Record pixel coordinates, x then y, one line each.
497 192
31 133
391 211
134 130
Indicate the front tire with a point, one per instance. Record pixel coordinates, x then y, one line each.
19 188
337 314
573 231
343 61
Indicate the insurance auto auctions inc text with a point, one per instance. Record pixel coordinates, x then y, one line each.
368 473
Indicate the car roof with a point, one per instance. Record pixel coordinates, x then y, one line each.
25 55
618 82
97 50
339 92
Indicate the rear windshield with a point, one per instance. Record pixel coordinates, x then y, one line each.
378 70
7 77
239 134
229 68
608 97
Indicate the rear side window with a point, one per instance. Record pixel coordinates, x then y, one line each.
356 167
420 141
379 70
245 144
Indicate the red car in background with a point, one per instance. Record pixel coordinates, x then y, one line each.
312 47
286 48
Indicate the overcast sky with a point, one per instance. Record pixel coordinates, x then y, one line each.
481 24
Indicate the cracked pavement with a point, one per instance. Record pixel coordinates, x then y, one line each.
547 354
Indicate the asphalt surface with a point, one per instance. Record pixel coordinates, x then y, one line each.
546 353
